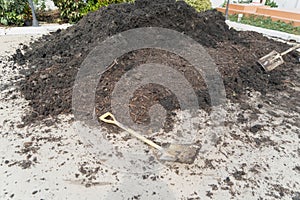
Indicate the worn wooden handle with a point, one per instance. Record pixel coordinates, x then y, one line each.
110 121
132 132
291 49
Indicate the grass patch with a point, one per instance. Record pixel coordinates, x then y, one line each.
266 22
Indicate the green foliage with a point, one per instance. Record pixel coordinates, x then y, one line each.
266 22
271 3
199 5
73 10
14 12
70 9
93 5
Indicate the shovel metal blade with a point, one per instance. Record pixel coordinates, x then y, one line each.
182 153
271 61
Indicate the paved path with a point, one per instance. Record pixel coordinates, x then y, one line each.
266 32
9 42
29 30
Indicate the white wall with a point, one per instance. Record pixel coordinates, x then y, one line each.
217 3
289 4
49 5
285 4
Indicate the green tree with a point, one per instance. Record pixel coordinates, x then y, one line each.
14 12
199 5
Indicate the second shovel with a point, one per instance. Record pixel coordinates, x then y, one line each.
274 59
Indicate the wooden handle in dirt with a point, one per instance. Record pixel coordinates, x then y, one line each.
290 49
113 120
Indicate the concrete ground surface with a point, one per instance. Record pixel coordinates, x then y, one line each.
255 159
29 30
10 42
266 32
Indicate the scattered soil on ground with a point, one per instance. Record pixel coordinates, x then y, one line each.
54 59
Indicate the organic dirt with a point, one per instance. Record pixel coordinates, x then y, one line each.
54 59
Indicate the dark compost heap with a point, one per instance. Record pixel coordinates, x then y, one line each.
54 59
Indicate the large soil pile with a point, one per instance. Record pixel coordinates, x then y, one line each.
54 59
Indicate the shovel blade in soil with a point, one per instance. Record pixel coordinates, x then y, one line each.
271 61
182 153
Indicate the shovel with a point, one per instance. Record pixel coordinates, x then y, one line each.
274 59
182 153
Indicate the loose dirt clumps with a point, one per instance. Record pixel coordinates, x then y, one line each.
54 59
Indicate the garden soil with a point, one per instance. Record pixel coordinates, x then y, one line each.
54 60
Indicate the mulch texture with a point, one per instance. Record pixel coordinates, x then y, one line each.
54 59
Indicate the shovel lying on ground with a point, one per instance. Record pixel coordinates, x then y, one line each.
182 153
274 59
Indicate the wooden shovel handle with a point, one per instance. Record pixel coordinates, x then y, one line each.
110 121
290 49
132 132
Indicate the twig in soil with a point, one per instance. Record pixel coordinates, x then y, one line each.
238 50
153 135
112 65
289 82
145 97
80 182
223 153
